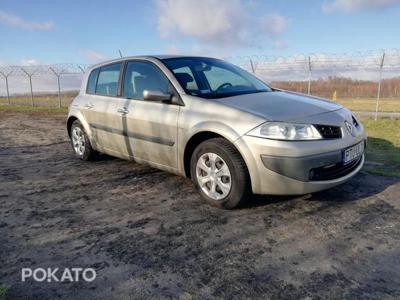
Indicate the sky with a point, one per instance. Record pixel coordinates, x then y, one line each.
55 31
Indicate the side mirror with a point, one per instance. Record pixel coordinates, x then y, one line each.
154 95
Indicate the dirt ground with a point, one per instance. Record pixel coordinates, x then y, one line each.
149 236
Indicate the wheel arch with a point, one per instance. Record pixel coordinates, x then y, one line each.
191 145
197 139
70 120
86 127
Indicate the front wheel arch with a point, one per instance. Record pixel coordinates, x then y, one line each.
238 172
192 144
196 140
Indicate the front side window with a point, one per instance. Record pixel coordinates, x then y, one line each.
107 83
91 84
213 78
141 76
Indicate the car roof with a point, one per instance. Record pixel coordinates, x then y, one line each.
145 57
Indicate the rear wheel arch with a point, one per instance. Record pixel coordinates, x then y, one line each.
80 141
81 119
70 120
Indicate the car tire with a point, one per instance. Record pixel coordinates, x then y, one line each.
221 154
80 143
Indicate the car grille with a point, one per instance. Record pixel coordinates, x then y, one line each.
329 132
335 171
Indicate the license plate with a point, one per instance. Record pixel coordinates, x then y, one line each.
353 153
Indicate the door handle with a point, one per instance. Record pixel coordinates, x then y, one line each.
123 110
89 105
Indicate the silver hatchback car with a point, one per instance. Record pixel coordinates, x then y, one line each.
209 120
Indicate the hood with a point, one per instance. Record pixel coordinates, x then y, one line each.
279 105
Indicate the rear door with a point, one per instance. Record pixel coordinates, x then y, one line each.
151 127
101 109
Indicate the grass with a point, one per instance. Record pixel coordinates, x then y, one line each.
369 104
42 109
40 100
356 104
3 292
383 150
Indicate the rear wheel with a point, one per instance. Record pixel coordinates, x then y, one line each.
220 174
80 142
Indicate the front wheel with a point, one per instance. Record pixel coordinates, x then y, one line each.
219 173
80 142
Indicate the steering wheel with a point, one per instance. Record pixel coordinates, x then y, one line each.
223 86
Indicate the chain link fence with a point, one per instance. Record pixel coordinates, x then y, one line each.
363 81
41 85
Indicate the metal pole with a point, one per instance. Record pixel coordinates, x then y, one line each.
252 67
7 89
309 76
59 86
8 92
378 95
59 91
30 84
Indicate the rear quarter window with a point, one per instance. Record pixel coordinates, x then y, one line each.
107 83
91 83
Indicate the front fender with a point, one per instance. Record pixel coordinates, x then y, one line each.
216 127
219 128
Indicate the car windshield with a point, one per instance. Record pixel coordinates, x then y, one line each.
213 78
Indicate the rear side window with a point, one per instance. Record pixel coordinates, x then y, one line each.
107 83
91 84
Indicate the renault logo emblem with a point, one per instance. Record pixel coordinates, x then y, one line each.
349 127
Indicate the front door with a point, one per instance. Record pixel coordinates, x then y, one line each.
151 127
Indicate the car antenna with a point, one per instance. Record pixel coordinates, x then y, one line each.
120 53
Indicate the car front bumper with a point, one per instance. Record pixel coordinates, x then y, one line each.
298 167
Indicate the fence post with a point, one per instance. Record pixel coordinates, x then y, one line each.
309 75
378 95
30 84
59 86
253 70
5 75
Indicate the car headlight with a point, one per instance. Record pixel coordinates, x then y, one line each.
286 131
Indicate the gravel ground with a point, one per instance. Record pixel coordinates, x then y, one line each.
149 236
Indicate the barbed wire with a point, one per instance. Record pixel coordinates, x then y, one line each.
366 60
303 72
40 70
320 61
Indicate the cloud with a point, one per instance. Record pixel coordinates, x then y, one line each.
219 23
94 56
12 20
279 45
29 62
172 49
357 5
